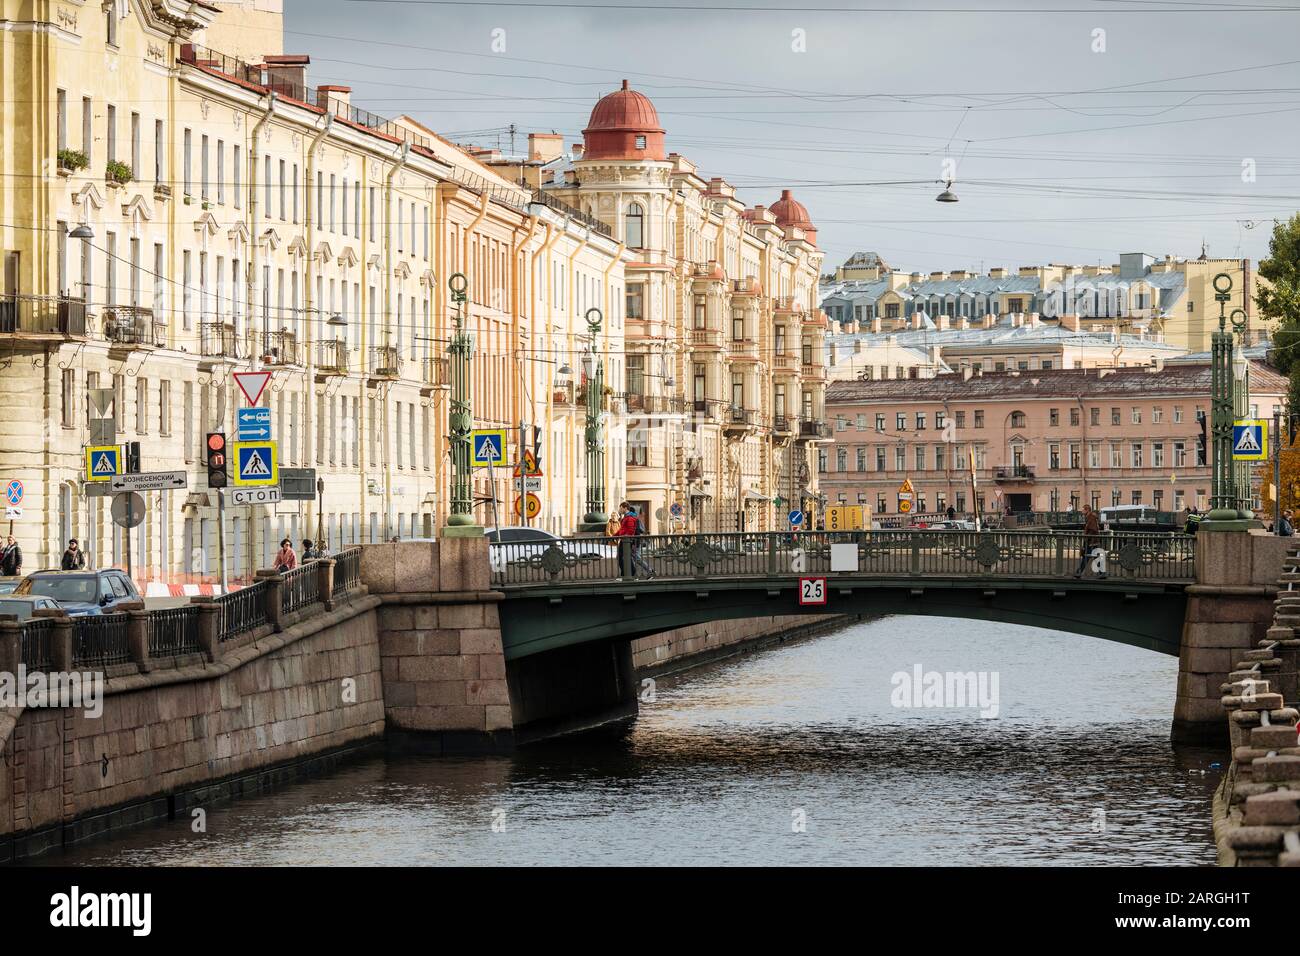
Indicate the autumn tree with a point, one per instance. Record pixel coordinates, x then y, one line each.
1279 303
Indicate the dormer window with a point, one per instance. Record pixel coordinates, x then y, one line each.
640 142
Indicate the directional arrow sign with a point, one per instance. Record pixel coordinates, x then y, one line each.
253 424
149 481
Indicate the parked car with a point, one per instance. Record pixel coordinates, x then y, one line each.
82 592
538 541
7 584
956 524
21 606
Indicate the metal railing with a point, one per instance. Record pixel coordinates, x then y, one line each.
34 315
1012 555
276 348
591 222
219 340
347 570
241 611
100 640
174 630
385 362
37 643
130 325
300 587
332 357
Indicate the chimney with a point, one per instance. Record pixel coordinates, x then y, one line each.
966 373
287 74
941 320
936 276
334 99
989 320
957 274
1033 320
576 149
834 355
544 147
1070 322
858 347
997 273
875 324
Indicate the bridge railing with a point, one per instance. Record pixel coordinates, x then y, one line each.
1043 554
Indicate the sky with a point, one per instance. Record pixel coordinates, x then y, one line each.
1074 129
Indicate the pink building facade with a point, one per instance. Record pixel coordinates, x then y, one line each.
1047 440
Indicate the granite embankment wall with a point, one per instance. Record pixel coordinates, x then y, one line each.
1257 806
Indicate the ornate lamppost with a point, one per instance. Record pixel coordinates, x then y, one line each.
1228 396
593 521
460 523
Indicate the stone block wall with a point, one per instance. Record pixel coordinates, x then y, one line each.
690 646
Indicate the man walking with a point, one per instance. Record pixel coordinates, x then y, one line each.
1091 540
632 528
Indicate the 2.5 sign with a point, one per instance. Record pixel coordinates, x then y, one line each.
812 591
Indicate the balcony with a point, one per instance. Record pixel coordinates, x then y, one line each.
1013 473
813 372
709 408
785 363
737 419
331 358
787 304
277 349
219 340
564 396
706 338
131 327
816 319
743 350
653 404
814 429
435 373
31 317
783 426
385 364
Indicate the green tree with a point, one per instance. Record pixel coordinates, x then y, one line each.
1279 301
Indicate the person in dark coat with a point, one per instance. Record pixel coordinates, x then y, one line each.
11 558
74 559
1091 540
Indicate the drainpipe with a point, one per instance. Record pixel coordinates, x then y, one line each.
389 243
309 227
608 306
552 234
570 306
516 288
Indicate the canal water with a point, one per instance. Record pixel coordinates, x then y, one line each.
797 754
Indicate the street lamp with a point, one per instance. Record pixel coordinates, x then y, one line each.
82 231
594 520
1228 384
460 523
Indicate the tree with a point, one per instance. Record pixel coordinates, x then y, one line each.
1279 301
1290 483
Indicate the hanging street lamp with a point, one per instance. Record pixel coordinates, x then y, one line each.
460 425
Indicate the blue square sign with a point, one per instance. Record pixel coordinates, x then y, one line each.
253 424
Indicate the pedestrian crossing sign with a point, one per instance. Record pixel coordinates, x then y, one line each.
1250 439
255 463
489 447
103 462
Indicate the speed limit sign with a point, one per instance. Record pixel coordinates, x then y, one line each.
812 591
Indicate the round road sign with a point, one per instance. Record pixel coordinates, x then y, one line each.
128 509
14 492
531 502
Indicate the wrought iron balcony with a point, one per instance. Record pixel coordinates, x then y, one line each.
278 349
130 326
29 316
814 429
332 358
783 425
435 372
737 418
219 340
1013 473
385 363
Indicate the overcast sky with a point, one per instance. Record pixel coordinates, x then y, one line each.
1063 153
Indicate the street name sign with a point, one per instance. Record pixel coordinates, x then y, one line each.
149 481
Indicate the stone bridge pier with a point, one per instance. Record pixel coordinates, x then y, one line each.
1229 610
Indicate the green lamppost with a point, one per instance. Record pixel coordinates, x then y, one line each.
1227 501
460 523
594 520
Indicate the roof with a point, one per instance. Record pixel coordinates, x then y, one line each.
1002 333
1192 380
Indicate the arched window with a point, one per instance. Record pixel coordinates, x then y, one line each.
633 229
1017 419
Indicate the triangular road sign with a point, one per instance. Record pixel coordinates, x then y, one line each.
252 384
528 467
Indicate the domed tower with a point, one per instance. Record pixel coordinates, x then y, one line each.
790 212
624 125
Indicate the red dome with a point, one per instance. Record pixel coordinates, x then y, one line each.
624 125
790 212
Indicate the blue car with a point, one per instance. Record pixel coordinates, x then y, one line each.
82 592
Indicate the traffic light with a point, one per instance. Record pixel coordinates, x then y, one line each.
132 458
1200 442
216 460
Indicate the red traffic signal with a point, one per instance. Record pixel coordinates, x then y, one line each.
216 460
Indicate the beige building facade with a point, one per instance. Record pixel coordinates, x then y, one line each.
237 219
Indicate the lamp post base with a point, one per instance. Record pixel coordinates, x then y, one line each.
462 531
592 524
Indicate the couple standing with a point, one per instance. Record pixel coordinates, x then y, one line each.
624 522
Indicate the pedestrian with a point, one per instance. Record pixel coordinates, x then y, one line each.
1286 528
631 527
74 559
11 558
952 513
615 519
1091 540
286 559
308 550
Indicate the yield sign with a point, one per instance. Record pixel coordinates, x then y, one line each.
252 384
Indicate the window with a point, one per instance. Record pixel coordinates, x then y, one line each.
961 419
940 419
159 152
979 418
1017 420
69 397
1074 417
1074 455
1137 454
633 229
862 459
142 405
900 422
920 421
640 142
1178 414
1114 416
238 169
61 119
862 422
1157 415
221 172
920 459
284 205
1053 457
841 459
1136 414
1137 496
1116 459
87 130
187 160
940 463
1054 417
900 458
1094 416
880 421
1180 454
1094 455
135 144
203 167
1157 455
880 458
634 297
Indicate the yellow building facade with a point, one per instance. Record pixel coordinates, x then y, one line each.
237 219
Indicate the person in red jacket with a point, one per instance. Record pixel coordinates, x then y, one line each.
631 527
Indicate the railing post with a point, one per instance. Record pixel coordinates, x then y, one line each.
915 541
1060 555
61 644
325 568
625 557
771 553
11 646
137 637
209 636
273 583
